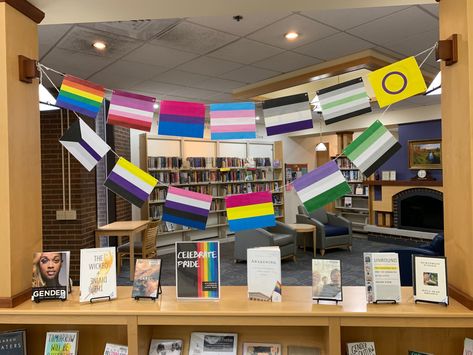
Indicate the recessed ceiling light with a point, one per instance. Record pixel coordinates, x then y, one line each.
257 118
155 105
291 35
99 45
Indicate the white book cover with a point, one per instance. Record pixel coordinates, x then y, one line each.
382 278
361 348
213 344
98 278
264 274
261 349
114 349
430 279
326 279
165 347
61 343
468 346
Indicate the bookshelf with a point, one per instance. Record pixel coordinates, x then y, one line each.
217 168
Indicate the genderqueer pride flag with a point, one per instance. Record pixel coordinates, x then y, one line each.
344 100
84 144
130 182
321 186
184 119
187 208
233 120
372 148
131 110
287 114
249 211
81 96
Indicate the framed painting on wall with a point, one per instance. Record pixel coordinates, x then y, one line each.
425 154
294 171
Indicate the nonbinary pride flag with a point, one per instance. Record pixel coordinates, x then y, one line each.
372 148
80 96
84 144
184 119
233 120
131 110
287 114
321 186
397 81
344 100
249 211
130 182
187 208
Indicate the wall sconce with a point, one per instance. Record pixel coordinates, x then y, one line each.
447 50
28 69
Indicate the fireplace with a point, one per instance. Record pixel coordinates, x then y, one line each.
418 209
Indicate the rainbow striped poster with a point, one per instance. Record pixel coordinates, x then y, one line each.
198 270
249 211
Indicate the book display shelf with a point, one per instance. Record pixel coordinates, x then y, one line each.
217 168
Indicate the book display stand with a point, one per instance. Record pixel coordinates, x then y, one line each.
327 299
426 301
97 299
384 301
160 291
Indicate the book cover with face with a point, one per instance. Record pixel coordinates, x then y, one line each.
147 275
50 275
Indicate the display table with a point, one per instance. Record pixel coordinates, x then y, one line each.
295 321
305 228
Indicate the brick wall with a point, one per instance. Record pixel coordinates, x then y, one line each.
122 148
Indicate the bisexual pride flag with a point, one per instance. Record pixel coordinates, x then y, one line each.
233 120
321 186
130 182
81 96
131 110
184 119
249 211
187 208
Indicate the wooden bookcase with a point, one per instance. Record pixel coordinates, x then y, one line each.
215 183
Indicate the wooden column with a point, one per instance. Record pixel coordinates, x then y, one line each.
20 161
456 16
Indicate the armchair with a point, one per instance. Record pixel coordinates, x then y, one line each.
332 231
280 235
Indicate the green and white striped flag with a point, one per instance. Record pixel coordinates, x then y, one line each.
372 148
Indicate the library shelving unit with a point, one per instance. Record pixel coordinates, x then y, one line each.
216 168
395 329
353 206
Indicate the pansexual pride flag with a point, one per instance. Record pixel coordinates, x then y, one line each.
130 182
131 110
80 96
233 120
187 208
372 148
184 119
249 211
321 186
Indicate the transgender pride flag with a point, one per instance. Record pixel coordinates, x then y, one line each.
131 110
233 121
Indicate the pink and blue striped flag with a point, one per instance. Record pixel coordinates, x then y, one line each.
233 120
184 119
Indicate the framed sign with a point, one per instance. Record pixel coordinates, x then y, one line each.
425 154
430 279
294 171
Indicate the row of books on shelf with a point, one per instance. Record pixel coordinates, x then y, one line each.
161 162
359 189
196 176
353 175
164 162
345 163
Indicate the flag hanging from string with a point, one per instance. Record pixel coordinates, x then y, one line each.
372 148
397 81
287 114
233 120
249 211
184 119
81 96
344 100
321 186
186 207
84 144
131 110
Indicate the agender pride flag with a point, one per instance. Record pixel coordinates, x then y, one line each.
397 81
249 211
131 110
321 186
187 208
372 148
184 119
233 120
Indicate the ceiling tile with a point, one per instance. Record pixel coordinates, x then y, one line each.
245 51
209 66
222 97
415 44
432 8
196 93
308 30
249 74
162 56
249 23
286 62
193 38
397 26
157 87
344 19
338 45
49 35
220 85
179 77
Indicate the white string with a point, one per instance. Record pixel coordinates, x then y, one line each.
428 55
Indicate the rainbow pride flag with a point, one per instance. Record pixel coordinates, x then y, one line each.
131 110
233 120
81 96
249 211
184 119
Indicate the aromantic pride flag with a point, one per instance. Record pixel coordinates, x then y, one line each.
287 114
187 208
130 182
249 211
372 148
131 110
184 119
321 186
344 100
233 120
80 96
84 144
397 81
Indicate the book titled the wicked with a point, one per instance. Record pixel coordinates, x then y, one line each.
146 282
50 276
13 342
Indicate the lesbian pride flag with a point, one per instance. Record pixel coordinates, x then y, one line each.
249 211
184 119
233 121
131 110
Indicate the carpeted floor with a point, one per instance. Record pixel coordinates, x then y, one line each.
297 273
